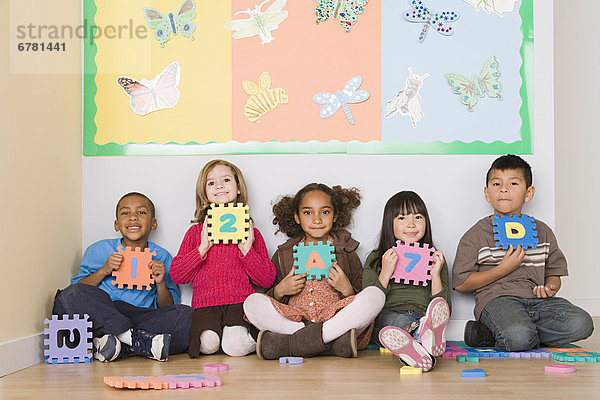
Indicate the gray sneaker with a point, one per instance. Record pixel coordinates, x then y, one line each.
107 348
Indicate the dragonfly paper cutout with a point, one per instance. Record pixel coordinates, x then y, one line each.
350 94
420 13
259 23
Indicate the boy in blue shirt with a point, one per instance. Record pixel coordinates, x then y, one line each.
515 303
150 323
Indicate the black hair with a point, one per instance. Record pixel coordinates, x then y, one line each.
510 161
150 203
344 202
405 202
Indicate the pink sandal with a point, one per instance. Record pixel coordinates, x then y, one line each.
432 331
402 344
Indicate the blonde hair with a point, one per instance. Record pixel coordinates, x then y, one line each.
202 202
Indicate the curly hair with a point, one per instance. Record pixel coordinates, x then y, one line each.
202 202
344 202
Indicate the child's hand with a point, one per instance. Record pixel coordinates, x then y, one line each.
113 262
545 291
338 280
205 244
388 264
513 258
158 271
290 285
438 261
247 245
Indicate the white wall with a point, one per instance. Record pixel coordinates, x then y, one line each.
452 186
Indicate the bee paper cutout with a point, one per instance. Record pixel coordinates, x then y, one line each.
346 10
350 94
497 6
180 22
260 23
157 94
468 90
408 100
438 21
262 98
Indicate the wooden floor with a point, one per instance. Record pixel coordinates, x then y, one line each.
371 375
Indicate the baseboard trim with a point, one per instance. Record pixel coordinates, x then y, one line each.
21 353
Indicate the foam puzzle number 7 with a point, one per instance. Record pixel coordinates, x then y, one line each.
414 263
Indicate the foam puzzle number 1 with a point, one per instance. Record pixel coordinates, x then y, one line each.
414 263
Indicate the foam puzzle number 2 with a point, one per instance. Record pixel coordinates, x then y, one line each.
228 222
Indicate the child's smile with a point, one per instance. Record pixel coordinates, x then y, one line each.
221 186
409 228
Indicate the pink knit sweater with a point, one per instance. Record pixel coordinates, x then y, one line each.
223 275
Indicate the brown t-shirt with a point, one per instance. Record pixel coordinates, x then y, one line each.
477 251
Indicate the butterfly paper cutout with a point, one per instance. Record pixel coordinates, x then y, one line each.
408 100
157 94
341 98
497 6
438 21
260 23
487 82
346 10
180 22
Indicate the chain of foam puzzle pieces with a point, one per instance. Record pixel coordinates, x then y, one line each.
414 264
460 351
164 382
68 339
134 270
515 230
228 223
314 259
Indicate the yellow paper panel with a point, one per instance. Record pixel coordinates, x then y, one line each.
203 112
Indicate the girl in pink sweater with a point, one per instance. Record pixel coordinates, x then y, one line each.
221 274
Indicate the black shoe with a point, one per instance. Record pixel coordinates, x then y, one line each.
478 335
151 345
107 348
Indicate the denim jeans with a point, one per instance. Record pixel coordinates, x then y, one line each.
523 324
115 317
407 320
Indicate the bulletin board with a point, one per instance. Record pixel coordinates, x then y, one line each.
371 77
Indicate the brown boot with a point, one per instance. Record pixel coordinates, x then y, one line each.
308 341
271 345
344 346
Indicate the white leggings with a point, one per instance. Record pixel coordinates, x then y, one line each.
357 315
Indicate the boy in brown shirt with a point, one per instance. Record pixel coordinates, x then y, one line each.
515 303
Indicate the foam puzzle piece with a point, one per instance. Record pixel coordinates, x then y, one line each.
134 269
68 339
560 368
314 259
163 382
536 353
581 355
453 351
467 358
291 360
473 373
228 223
408 370
383 350
216 367
515 230
489 352
414 263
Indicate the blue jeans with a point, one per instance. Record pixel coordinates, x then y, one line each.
407 320
115 317
523 324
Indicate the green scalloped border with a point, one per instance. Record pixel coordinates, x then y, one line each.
523 146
